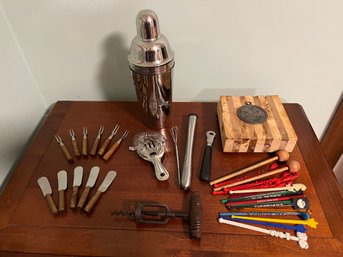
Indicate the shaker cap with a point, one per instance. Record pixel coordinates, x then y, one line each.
149 48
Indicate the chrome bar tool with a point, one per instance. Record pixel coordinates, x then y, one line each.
151 146
186 176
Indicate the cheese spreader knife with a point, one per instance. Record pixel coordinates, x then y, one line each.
78 173
93 175
44 185
62 186
102 188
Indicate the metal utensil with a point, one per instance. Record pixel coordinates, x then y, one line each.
78 172
108 140
64 148
62 186
85 141
74 143
186 176
205 172
102 188
115 146
151 146
93 175
97 141
174 132
44 185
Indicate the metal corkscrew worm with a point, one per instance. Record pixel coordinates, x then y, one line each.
157 213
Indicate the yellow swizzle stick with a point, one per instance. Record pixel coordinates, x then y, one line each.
310 222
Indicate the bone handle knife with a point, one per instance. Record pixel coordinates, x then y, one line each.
78 172
44 185
84 197
93 175
51 204
62 186
73 199
93 201
61 201
102 188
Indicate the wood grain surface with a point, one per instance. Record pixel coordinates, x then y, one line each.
276 133
27 227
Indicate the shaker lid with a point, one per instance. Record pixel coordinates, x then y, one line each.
149 48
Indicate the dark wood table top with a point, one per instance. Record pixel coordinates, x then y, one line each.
27 227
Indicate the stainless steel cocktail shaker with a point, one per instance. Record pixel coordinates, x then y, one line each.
151 62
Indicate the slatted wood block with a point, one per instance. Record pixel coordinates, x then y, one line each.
276 133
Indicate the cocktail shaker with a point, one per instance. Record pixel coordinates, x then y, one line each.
151 62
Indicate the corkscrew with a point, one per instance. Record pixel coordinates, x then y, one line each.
157 213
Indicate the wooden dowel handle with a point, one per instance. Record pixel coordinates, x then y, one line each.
257 165
110 152
92 201
83 197
104 146
73 199
66 153
51 204
95 146
84 146
270 173
61 201
75 147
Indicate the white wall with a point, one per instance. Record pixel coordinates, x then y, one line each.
21 103
338 169
77 50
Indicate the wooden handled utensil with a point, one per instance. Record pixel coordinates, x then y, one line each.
292 166
74 143
115 146
44 185
85 141
78 172
64 148
62 186
97 141
102 188
93 175
280 156
108 140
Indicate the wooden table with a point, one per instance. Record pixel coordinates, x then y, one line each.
27 227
